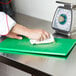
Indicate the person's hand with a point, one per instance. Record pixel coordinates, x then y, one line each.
13 35
35 34
38 34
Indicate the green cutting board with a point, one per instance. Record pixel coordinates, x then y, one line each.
33 54
61 47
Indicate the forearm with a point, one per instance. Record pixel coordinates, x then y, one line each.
21 30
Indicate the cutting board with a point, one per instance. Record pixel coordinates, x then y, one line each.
61 47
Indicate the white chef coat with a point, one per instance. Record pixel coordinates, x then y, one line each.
6 23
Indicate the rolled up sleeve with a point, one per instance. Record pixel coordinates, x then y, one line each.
6 23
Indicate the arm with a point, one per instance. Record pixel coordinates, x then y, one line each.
11 29
37 34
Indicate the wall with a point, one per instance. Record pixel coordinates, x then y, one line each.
43 9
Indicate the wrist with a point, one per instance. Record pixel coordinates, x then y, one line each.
27 33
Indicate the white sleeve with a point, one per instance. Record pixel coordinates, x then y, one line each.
6 23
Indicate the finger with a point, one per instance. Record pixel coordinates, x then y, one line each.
13 35
47 34
17 37
41 38
44 36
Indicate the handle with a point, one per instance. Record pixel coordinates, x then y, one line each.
66 5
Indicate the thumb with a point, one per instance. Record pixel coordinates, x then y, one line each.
17 37
13 35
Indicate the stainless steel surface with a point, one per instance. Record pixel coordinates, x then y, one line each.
6 70
50 65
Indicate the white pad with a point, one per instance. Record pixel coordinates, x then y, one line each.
51 39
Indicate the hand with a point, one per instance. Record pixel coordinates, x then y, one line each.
13 35
38 34
35 34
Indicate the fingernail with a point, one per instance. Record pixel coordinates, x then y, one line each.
20 37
